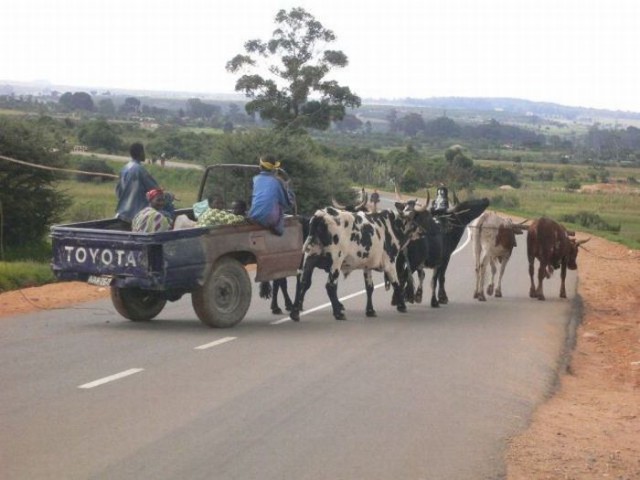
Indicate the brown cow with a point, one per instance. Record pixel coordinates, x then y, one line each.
550 243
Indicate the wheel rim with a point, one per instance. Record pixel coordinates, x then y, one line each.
226 293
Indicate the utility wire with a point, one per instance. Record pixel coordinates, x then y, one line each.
45 167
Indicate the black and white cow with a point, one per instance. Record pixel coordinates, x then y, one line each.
267 291
341 241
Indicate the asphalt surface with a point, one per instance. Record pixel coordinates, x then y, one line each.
430 394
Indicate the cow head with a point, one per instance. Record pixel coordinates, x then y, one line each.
416 218
572 255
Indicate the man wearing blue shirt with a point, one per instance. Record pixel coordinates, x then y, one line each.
132 187
270 197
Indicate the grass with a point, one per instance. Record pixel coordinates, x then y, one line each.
14 275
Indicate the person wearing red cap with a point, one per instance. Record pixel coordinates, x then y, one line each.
152 219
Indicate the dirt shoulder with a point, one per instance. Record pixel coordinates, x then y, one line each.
590 428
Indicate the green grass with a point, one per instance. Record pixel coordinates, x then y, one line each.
14 275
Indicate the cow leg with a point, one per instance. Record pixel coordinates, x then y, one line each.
503 266
542 273
368 281
332 292
434 283
303 283
275 308
482 271
532 287
397 290
421 276
563 275
492 264
442 294
288 304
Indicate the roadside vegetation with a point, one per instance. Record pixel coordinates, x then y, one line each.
328 140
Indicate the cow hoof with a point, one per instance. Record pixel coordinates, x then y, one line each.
533 294
435 304
482 298
295 315
443 301
371 313
475 295
288 307
402 308
276 311
498 294
419 297
340 316
563 295
541 297
490 290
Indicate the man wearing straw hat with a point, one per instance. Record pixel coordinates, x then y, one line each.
270 196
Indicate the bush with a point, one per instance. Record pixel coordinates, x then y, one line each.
94 165
572 185
590 220
16 275
505 201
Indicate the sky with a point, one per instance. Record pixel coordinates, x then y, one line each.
572 52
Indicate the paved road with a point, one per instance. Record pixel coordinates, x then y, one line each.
431 394
120 158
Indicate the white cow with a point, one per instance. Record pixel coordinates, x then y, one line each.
493 239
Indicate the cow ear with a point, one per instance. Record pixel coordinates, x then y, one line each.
571 233
399 206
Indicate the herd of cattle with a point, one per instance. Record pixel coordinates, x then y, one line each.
413 238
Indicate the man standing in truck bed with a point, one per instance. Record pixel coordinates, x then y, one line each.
132 187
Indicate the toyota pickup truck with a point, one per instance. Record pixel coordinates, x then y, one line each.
145 270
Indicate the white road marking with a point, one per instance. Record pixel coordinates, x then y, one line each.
215 343
361 292
111 378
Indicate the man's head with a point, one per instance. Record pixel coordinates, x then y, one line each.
156 199
239 207
136 150
216 201
268 163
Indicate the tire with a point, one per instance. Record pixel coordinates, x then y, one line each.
224 299
136 304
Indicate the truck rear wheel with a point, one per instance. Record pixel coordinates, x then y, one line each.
136 304
224 299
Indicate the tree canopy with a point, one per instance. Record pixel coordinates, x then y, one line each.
287 82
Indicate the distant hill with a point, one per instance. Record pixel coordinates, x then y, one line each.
512 106
515 106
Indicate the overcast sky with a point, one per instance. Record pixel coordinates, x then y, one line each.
573 52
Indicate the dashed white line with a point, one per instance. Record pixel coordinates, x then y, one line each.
215 343
111 378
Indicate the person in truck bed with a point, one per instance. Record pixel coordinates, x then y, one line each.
133 184
152 218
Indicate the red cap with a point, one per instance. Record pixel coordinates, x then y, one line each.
153 193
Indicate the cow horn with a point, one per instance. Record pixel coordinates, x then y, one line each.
455 197
398 196
337 205
363 203
582 242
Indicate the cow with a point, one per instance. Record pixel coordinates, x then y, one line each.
341 241
552 245
434 250
267 291
493 239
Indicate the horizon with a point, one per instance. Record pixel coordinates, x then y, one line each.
46 84
577 53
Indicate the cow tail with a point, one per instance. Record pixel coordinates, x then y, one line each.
265 290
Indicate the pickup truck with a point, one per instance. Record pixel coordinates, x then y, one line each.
145 270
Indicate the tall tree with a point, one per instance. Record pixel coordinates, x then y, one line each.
295 65
28 197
